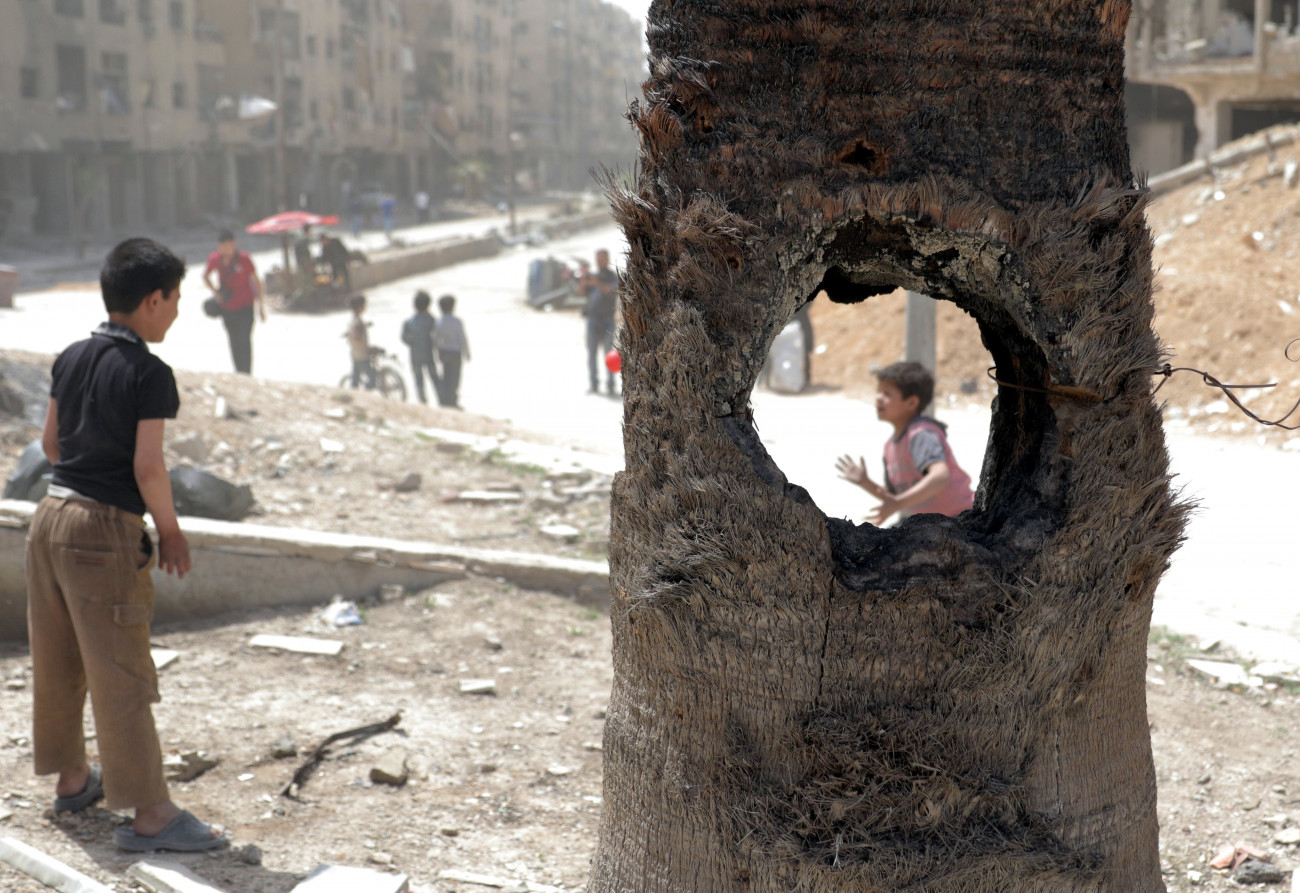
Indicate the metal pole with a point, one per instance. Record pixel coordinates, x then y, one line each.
920 343
277 57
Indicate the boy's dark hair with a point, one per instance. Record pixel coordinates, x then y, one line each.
356 302
225 236
422 301
136 269
447 303
912 380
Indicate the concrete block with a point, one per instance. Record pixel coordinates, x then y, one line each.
346 879
46 869
165 876
238 566
297 644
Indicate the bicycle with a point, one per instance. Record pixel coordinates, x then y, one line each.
388 377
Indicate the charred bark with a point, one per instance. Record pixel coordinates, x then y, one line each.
953 704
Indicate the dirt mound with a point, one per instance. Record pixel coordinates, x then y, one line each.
1228 303
352 462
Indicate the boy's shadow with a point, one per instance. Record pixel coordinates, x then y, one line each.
228 868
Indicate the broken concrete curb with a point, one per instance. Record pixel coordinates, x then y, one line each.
241 566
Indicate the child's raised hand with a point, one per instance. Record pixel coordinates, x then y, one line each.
853 472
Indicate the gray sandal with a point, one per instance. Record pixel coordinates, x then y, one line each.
185 834
94 790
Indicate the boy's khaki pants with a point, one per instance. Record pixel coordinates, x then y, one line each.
89 603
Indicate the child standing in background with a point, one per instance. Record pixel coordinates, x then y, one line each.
418 333
921 474
453 347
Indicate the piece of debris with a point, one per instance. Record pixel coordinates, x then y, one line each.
391 769
487 496
192 446
451 449
347 879
219 409
15 684
487 768
478 686
566 532
341 612
381 858
409 483
558 771
46 869
449 832
331 446
593 746
283 748
391 592
166 876
187 766
5 814
1220 671
163 657
469 877
493 642
352 736
1257 871
338 412
1287 836
297 644
1230 856
1281 820
249 854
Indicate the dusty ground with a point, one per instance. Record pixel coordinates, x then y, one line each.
1228 303
505 784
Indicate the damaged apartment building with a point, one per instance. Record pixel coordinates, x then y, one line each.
121 116
1204 72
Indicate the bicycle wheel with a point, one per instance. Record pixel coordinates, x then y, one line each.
390 383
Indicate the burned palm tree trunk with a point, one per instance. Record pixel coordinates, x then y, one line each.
953 704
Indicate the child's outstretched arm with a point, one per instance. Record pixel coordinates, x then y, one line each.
156 488
856 473
933 480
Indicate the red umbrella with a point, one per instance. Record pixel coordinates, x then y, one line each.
289 221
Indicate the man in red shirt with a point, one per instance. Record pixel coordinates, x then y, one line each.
237 289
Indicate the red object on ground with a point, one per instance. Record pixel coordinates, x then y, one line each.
613 362
288 221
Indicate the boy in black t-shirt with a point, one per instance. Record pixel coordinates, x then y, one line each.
89 590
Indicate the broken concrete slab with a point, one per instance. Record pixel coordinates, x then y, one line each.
1220 671
163 657
391 769
297 644
249 566
46 869
478 686
565 532
166 876
347 879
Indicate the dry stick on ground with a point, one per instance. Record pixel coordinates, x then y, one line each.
318 755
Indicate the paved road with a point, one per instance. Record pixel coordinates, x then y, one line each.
1235 580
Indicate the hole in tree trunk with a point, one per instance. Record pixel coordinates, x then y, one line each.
1014 505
